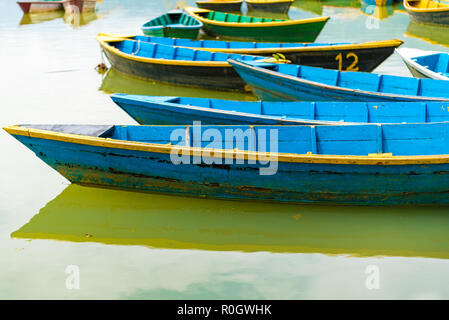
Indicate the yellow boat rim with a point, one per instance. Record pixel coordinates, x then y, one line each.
103 39
425 6
371 159
255 51
193 11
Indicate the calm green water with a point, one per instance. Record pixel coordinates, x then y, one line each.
129 245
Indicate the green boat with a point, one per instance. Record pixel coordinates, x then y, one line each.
174 24
234 26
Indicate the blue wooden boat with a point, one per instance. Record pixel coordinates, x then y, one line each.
426 64
355 56
373 164
174 65
173 24
281 82
180 110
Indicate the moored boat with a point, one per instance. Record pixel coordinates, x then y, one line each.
40 6
426 64
173 24
79 6
278 82
220 5
276 6
428 11
228 25
363 164
169 64
159 110
355 56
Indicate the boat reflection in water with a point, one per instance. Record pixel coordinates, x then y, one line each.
33 18
78 20
75 20
82 214
117 82
377 12
314 6
431 33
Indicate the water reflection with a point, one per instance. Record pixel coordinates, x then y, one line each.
117 82
82 214
314 6
377 12
430 33
74 20
33 18
77 20
342 3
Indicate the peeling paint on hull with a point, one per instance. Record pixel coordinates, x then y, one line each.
294 182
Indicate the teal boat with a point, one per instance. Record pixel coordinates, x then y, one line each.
173 24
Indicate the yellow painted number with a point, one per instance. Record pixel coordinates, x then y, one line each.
353 66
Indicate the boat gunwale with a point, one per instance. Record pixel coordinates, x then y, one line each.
337 88
299 121
192 11
104 43
371 159
347 46
198 24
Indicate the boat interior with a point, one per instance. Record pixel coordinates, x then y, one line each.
159 51
364 81
438 63
173 20
212 44
369 112
427 4
360 140
234 18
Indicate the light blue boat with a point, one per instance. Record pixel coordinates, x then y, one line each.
426 64
179 110
289 82
359 164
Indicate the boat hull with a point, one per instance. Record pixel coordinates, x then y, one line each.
366 59
154 172
222 6
211 77
270 86
306 32
437 17
40 6
80 5
274 6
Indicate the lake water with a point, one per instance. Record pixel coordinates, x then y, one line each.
141 246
